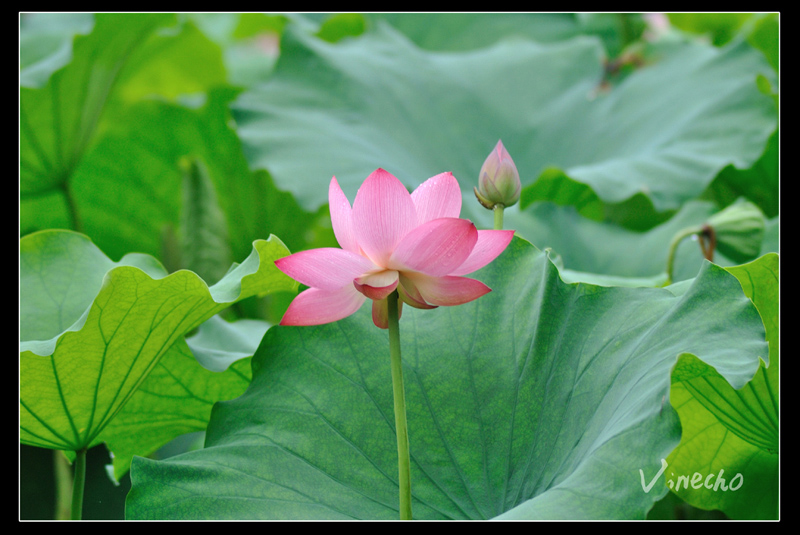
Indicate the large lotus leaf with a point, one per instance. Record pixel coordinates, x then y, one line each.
539 400
469 31
122 60
379 101
728 432
92 329
177 396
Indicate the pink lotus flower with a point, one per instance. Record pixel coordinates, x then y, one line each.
392 240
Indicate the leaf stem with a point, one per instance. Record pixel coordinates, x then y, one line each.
63 476
673 247
401 426
498 216
72 209
78 484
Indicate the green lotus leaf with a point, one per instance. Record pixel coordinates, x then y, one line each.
93 329
177 396
539 400
732 435
347 108
121 60
468 31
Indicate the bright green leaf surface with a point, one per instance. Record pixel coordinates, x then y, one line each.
720 27
379 101
93 329
175 62
727 431
175 398
342 25
765 35
204 244
125 59
58 120
539 400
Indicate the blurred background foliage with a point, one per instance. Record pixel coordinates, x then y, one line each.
142 132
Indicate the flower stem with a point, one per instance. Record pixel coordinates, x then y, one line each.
498 216
403 460
78 484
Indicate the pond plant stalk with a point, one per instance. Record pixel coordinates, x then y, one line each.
401 425
673 249
498 216
78 483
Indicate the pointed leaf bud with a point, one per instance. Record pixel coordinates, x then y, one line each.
498 182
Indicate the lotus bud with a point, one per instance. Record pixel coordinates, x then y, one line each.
737 231
498 183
